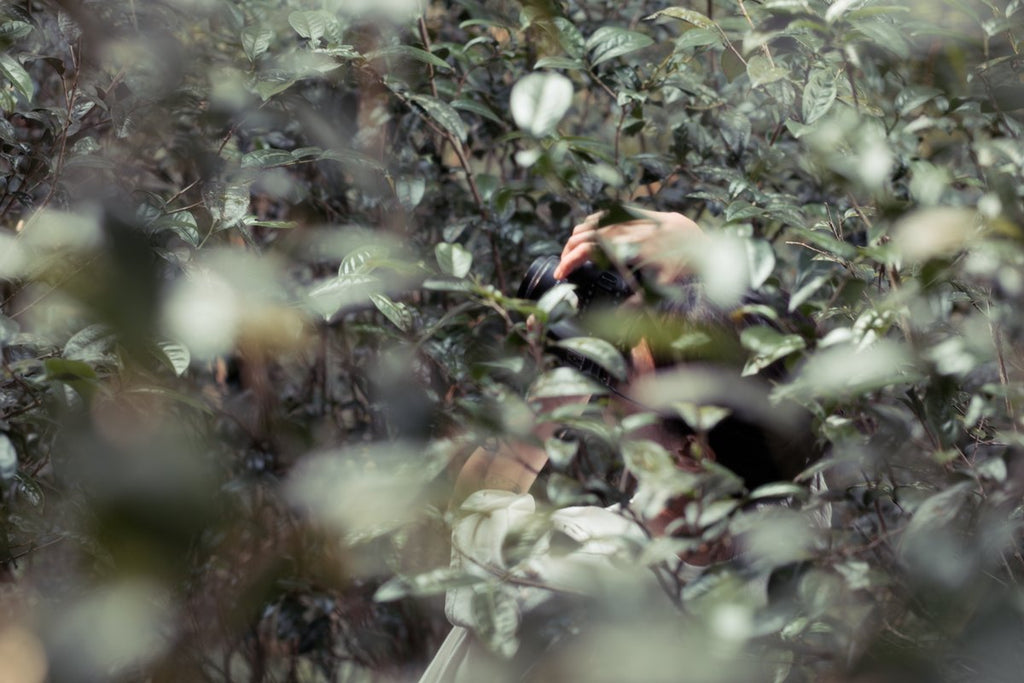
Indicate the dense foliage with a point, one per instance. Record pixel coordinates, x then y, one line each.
257 267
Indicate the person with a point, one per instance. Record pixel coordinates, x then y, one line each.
495 510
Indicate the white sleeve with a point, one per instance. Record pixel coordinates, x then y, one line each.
483 521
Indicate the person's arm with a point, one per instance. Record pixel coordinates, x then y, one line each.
511 465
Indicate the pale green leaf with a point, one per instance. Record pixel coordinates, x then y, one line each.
8 459
92 344
453 259
181 223
819 94
310 24
761 71
768 345
690 16
430 583
272 83
398 313
539 101
177 355
609 42
779 489
761 261
598 350
561 451
565 382
256 41
265 158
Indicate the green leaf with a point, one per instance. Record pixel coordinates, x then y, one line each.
8 459
838 8
16 74
644 457
67 370
431 583
8 330
477 108
496 620
769 345
92 344
539 101
561 451
698 37
690 16
779 489
228 204
760 260
819 94
74 373
565 382
397 312
700 416
14 30
443 114
177 355
181 223
272 83
256 41
453 259
412 53
598 350
761 71
311 25
609 42
253 222
265 158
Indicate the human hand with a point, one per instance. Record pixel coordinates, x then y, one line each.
658 236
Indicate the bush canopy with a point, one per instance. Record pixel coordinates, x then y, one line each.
258 271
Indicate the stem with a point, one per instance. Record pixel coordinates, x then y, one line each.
69 102
764 46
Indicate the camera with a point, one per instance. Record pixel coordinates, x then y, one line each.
595 288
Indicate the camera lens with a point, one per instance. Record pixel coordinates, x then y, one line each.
539 278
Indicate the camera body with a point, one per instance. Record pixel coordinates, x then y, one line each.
595 288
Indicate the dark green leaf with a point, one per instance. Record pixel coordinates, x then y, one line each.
14 30
444 115
478 109
14 72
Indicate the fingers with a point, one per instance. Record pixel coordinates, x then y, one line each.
650 231
574 258
579 246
